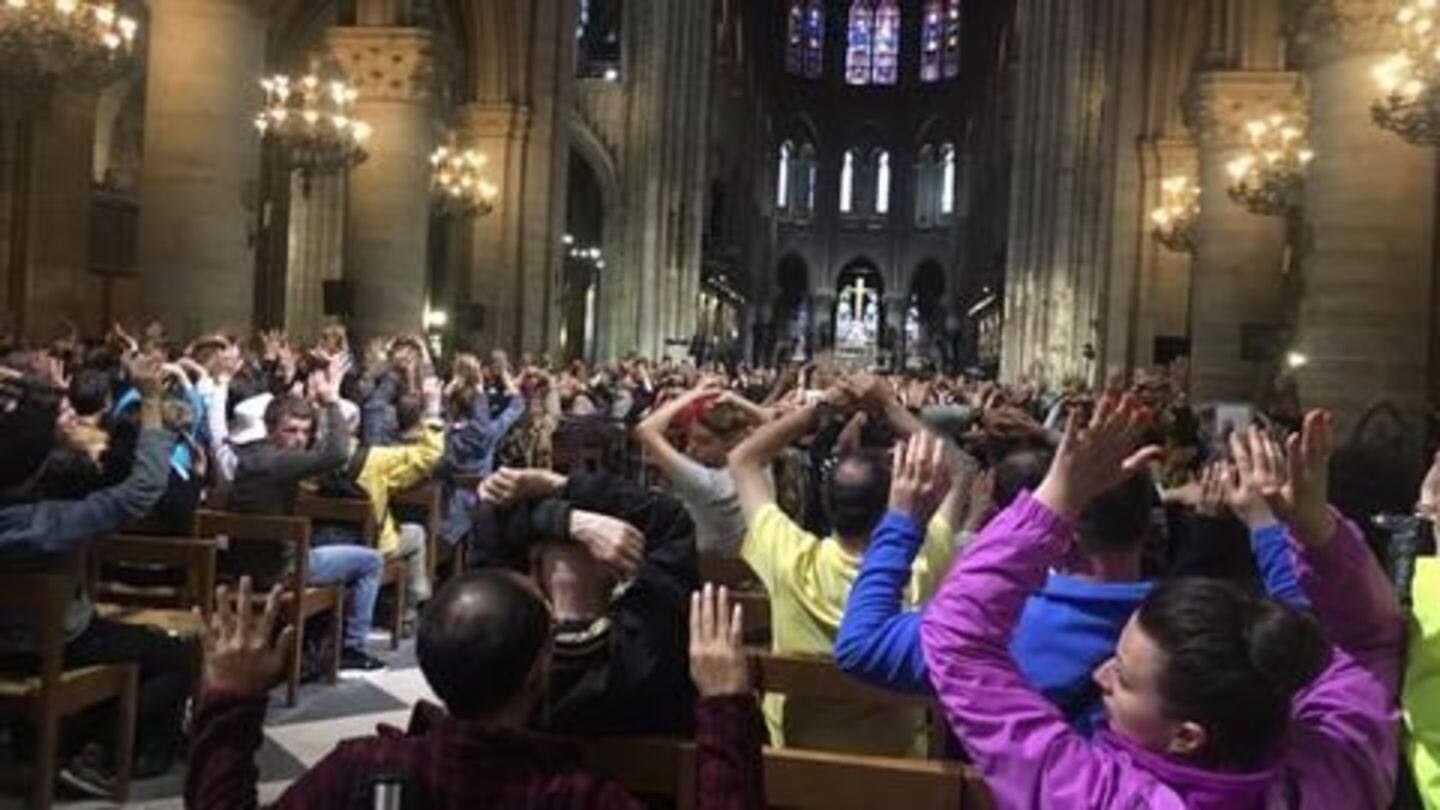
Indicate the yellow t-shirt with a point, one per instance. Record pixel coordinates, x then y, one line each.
809 581
1420 696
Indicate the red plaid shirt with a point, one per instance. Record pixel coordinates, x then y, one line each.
458 765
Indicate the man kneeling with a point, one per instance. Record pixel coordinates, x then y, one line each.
484 647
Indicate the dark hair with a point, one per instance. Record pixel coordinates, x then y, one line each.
479 638
1232 663
90 391
1119 519
1017 470
859 492
287 406
408 410
68 474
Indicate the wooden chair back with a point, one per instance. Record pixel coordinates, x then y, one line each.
301 599
193 556
55 692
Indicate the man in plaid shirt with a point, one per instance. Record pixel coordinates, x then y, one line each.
484 647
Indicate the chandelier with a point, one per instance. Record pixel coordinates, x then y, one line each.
458 181
1410 104
1269 177
80 43
1174 220
312 122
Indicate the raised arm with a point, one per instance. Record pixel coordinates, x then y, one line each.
750 459
650 433
1028 754
729 770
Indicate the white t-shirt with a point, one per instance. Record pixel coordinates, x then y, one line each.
710 498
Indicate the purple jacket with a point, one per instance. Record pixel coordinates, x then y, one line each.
1344 738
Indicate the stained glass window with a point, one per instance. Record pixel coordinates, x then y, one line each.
795 39
952 39
815 39
858 57
847 183
886 57
932 39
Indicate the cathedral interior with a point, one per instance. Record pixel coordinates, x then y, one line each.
1045 190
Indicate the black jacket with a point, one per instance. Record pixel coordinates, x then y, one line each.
633 677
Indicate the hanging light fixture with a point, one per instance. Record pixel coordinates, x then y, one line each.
1269 177
1173 222
1410 105
458 182
312 121
80 44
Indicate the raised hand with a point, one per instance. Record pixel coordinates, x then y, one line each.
1428 504
614 543
146 373
981 503
920 479
239 656
1093 460
1210 500
1295 482
717 655
1244 489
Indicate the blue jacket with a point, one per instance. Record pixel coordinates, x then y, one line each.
1066 629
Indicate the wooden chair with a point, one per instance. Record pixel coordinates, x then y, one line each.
358 514
426 502
301 599
804 780
56 692
820 679
162 606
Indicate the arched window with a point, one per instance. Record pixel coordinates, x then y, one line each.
847 183
808 174
859 43
815 39
932 40
947 179
795 39
952 40
925 187
782 176
887 43
882 183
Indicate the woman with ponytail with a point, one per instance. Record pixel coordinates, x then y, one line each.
1215 698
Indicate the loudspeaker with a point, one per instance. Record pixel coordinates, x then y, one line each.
339 298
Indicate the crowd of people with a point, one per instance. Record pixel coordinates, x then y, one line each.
1118 599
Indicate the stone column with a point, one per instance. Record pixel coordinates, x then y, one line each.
198 183
389 218
1239 259
822 321
1366 314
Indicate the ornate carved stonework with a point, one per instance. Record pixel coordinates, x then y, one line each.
387 64
493 121
1324 30
1218 105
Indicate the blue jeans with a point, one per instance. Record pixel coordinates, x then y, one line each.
359 569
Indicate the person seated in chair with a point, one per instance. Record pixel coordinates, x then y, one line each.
485 648
617 561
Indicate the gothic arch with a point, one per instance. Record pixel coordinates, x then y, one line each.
587 143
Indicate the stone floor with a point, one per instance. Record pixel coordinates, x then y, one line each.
296 738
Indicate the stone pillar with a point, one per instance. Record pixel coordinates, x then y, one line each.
1366 314
389 220
198 183
1239 259
822 321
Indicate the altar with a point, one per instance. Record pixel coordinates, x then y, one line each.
857 326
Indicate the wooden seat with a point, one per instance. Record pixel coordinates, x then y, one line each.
55 692
728 570
358 514
426 502
299 599
166 607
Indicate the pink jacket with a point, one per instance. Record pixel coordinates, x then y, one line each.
1344 738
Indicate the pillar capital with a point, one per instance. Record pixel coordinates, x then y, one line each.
1326 30
493 120
1218 104
388 64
